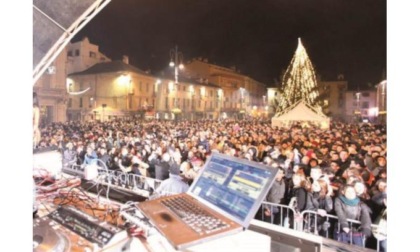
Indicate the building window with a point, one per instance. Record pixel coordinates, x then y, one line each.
81 102
365 94
167 103
365 105
70 103
147 87
92 54
76 52
70 53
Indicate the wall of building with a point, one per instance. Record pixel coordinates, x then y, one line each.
361 104
241 93
132 93
51 91
334 92
82 54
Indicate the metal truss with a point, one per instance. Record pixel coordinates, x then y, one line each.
68 34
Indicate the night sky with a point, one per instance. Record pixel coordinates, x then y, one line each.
258 37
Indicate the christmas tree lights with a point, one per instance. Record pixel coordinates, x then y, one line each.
299 81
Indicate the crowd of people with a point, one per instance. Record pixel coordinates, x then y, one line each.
341 170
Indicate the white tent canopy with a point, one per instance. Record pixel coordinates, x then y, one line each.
300 112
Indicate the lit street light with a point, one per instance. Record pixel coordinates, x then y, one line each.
176 61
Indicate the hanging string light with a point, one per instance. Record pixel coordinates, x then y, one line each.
299 81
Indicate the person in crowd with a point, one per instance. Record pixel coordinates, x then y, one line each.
69 155
90 157
293 148
301 190
323 203
162 168
344 162
174 184
105 159
349 206
275 195
379 197
381 165
81 153
124 160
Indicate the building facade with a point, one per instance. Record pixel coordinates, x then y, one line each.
82 54
381 97
51 87
361 105
241 94
117 89
108 90
333 96
189 99
51 91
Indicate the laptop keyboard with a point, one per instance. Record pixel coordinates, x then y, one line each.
194 216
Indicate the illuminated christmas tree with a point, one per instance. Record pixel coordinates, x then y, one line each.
299 82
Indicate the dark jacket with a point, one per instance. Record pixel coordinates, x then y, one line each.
359 212
162 170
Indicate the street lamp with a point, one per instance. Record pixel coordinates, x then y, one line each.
176 61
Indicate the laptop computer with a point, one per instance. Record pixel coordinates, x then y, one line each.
222 200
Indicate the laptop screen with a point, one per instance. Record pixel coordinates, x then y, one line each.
235 186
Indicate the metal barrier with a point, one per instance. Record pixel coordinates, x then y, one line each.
306 221
130 181
124 180
284 217
311 225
